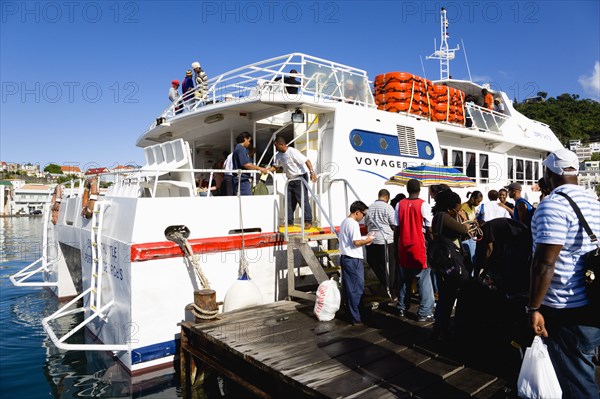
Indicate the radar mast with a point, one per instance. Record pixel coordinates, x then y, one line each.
444 54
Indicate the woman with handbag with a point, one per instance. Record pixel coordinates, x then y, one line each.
448 228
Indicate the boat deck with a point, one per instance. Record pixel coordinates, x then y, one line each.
281 350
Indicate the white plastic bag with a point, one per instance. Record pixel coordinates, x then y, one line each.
328 300
537 378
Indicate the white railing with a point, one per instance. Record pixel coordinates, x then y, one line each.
21 278
132 184
322 79
485 119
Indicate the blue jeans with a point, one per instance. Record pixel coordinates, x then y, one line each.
353 282
295 192
571 342
245 188
471 246
423 285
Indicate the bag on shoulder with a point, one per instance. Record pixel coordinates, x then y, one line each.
591 259
443 255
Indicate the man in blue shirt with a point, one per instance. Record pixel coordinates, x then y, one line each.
559 308
241 160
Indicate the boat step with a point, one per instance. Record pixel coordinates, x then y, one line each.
327 253
319 237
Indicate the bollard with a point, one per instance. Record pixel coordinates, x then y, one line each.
205 300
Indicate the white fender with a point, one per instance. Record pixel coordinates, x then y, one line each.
242 294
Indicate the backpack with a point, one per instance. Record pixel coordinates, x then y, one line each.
443 255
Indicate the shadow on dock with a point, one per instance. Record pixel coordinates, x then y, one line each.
280 350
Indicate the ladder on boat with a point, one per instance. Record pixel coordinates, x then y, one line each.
93 306
21 278
322 260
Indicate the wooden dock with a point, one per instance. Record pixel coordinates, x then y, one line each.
281 350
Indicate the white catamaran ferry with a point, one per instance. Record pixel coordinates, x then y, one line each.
131 259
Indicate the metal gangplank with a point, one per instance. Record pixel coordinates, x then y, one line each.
21 279
301 242
92 297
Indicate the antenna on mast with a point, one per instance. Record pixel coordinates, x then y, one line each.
444 54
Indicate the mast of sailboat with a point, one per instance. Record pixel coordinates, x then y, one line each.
444 53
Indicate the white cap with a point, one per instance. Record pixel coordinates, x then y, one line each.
560 160
195 65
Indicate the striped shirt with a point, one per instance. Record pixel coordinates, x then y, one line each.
556 223
382 213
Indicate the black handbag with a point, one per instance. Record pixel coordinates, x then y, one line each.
591 259
444 256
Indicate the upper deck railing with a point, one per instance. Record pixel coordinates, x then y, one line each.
322 79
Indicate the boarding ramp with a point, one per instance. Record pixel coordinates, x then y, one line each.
319 250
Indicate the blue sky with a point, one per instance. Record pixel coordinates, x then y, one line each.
81 80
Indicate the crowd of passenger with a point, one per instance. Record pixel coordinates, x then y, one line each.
493 243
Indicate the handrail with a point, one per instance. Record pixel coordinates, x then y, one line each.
262 74
19 279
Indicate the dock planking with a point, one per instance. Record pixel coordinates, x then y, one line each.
282 350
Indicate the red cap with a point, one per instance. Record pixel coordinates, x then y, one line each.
175 82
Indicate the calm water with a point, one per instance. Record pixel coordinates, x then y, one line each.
30 366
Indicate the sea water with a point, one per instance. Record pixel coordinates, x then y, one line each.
30 365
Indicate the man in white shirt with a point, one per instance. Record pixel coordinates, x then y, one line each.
296 166
353 273
492 209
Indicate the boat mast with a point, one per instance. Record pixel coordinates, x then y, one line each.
444 54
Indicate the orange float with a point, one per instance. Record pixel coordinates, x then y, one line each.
55 205
90 195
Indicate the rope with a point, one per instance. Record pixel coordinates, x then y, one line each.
195 261
243 271
202 313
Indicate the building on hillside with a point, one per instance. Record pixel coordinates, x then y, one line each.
573 144
72 170
31 197
589 174
584 153
6 197
595 147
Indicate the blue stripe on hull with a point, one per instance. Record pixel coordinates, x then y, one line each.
152 352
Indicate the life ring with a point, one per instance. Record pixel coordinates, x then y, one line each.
397 86
400 106
90 195
55 206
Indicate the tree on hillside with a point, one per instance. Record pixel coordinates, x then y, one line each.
53 168
569 117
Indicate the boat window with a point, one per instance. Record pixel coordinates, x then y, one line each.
536 171
519 176
383 143
484 171
529 171
457 160
470 162
357 140
445 156
510 168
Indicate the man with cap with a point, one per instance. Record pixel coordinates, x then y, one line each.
559 309
188 89
174 95
201 82
523 209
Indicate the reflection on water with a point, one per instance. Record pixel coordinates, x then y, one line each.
31 366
